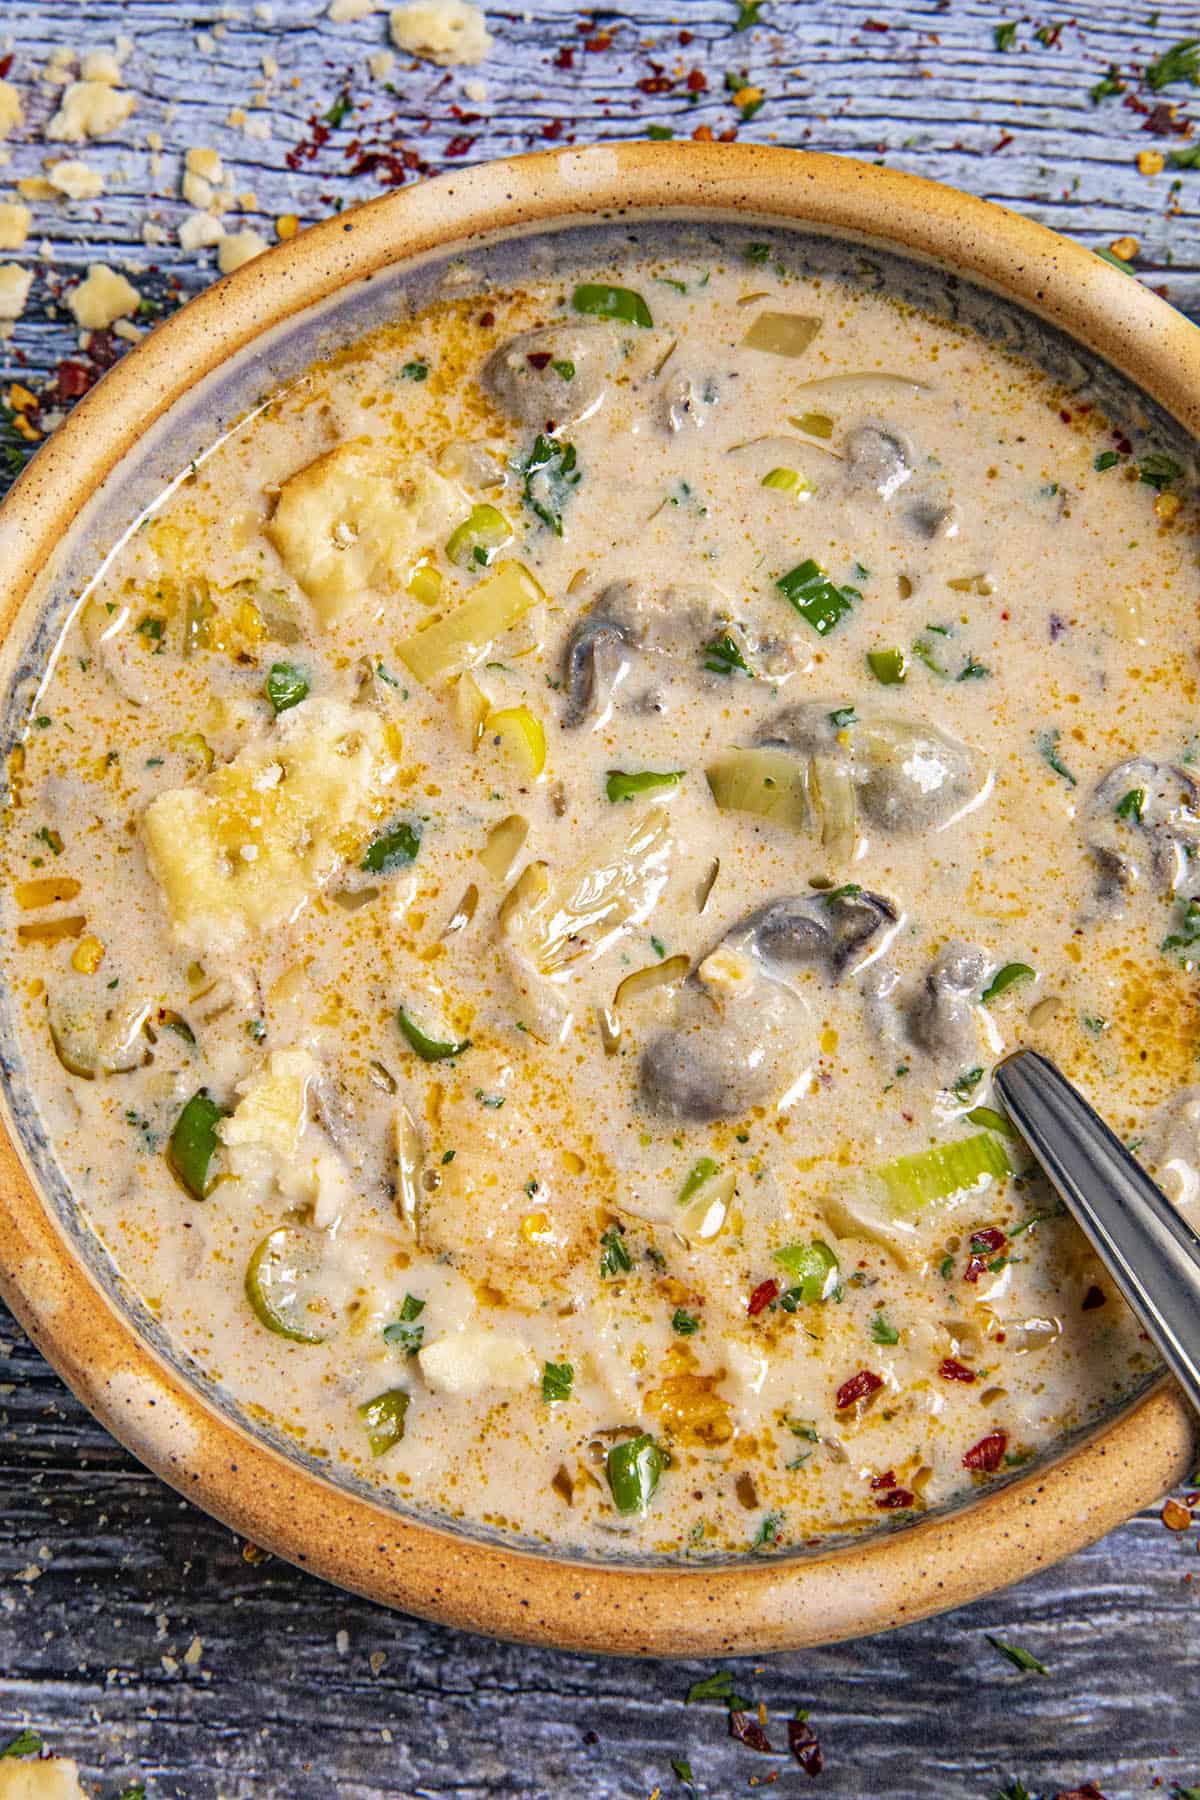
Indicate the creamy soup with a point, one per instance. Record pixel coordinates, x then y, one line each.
522 864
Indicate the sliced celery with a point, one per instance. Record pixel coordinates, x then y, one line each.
913 1182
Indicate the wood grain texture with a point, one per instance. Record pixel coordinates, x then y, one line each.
105 1576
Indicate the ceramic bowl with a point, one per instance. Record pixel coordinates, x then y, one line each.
188 381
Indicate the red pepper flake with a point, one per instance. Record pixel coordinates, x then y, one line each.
1089 1791
985 1245
1123 444
951 1369
1002 142
1049 36
897 1498
728 136
553 130
859 1387
703 134
747 1730
601 41
459 145
1134 104
685 38
6 63
1094 1297
1064 415
487 320
886 1480
876 25
805 1746
71 380
1161 121
105 348
697 81
658 83
539 359
564 57
761 1298
988 1453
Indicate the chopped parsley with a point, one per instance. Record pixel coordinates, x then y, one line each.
614 1257
723 657
685 1323
415 371
1132 805
882 1331
1005 36
768 1531
1047 744
550 474
1180 63
557 1381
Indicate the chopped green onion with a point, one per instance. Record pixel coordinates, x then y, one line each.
403 1331
1189 929
1107 459
475 542
1005 36
724 657
814 1269
1132 805
384 1418
1005 978
557 1381
702 1171
286 686
623 785
392 849
1020 1659
889 667
193 1142
279 1282
415 371
633 1469
967 1083
913 1182
564 368
604 302
685 1323
991 1120
427 1048
789 481
815 597
1180 63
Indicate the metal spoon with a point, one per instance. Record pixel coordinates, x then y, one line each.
1152 1253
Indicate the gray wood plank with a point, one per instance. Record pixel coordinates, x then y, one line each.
105 1575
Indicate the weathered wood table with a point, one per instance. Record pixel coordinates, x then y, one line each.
133 1632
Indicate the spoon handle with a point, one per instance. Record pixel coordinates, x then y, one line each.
1150 1251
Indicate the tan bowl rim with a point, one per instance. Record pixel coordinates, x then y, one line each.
751 1607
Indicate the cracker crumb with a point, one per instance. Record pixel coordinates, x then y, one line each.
15 283
448 32
77 180
100 65
89 109
237 248
200 231
381 63
206 163
194 1652
11 113
103 298
14 224
344 12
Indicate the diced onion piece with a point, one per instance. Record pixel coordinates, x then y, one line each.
281 1286
856 379
655 975
408 1167
521 735
554 924
466 635
833 796
814 424
91 1040
425 584
782 333
775 784
968 1165
505 842
471 706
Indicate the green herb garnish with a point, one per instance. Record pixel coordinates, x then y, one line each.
551 473
633 1469
402 1331
685 1323
623 784
815 597
723 657
1020 1659
614 1257
557 1381
889 667
392 849
604 302
193 1142
286 686
1005 978
429 1049
1047 743
882 1331
700 1172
